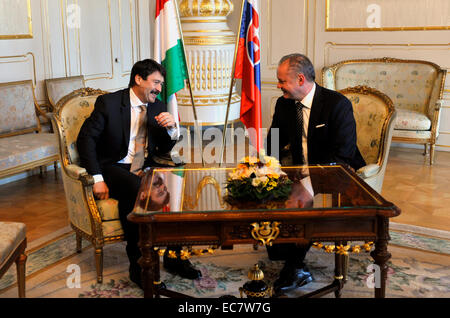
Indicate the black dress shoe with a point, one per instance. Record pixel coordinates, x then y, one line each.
291 277
183 268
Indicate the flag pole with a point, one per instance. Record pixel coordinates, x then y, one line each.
189 81
231 85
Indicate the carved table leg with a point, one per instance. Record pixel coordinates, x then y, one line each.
381 256
339 263
146 260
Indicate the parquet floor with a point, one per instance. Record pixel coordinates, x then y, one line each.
422 193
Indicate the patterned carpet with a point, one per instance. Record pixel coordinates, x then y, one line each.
419 267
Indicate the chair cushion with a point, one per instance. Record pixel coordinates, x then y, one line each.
11 235
23 149
368 171
112 228
411 120
109 209
415 134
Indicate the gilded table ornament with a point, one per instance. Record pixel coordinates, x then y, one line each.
265 232
256 287
343 250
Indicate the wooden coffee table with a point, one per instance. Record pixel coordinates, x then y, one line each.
327 204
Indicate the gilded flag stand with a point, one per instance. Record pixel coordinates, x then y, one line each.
196 126
231 86
250 72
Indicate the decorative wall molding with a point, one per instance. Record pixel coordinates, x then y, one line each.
15 19
386 15
269 17
27 58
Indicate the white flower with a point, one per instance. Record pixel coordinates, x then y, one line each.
256 182
259 180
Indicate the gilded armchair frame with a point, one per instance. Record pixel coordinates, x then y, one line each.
431 106
79 175
373 173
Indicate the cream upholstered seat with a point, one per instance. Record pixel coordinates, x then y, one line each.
375 116
415 87
57 88
97 221
13 242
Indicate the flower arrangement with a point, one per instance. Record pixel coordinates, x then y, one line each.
258 179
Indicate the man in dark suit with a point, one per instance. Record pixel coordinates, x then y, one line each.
117 142
319 127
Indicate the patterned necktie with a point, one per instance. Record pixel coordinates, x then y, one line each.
139 153
299 129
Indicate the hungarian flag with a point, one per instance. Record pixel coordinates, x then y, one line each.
248 69
168 50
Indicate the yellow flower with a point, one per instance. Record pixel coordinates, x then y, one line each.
329 248
172 254
356 249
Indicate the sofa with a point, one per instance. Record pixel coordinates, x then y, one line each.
415 87
23 146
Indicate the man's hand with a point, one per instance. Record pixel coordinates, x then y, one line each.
166 120
101 190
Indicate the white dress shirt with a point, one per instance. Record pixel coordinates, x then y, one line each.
307 103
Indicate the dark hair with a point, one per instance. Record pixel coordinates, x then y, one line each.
154 206
300 64
144 68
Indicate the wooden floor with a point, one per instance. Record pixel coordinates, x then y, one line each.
422 193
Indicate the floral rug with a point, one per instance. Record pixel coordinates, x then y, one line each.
422 271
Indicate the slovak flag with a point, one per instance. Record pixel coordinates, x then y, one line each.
248 68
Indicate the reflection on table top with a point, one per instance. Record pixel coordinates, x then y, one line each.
167 190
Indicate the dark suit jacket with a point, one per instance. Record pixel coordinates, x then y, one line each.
331 130
105 135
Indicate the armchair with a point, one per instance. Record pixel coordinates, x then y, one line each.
375 116
94 220
57 88
415 87
13 242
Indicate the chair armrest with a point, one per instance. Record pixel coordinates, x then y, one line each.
368 171
81 174
75 171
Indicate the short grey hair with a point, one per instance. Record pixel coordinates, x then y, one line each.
300 64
